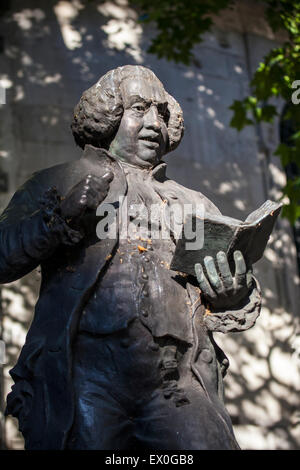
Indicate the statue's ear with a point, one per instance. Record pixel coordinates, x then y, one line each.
175 123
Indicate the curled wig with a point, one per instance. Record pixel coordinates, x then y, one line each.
98 114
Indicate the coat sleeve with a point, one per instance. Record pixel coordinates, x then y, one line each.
31 228
240 318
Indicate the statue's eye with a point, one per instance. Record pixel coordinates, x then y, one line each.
163 112
139 107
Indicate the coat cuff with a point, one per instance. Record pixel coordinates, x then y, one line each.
239 319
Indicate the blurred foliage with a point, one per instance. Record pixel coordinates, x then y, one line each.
181 25
277 76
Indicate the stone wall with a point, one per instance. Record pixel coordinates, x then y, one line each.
52 51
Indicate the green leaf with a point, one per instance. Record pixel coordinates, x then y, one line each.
291 212
239 119
284 152
268 113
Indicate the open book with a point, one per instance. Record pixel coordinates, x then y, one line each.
221 233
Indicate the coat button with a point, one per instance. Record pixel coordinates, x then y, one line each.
144 313
145 276
206 356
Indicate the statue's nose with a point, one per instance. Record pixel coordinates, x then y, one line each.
151 118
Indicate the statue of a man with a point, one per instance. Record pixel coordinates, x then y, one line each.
120 353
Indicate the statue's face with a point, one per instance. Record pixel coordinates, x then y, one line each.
142 136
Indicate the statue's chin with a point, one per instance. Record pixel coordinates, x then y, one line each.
143 161
147 158
143 158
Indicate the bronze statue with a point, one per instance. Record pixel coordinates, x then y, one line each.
120 353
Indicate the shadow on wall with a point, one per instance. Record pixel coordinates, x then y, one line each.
262 387
54 52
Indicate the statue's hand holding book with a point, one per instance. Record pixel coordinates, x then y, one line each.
229 248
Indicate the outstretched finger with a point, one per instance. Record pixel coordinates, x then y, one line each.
249 277
224 270
203 282
213 275
240 269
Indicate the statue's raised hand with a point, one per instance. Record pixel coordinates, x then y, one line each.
87 194
219 287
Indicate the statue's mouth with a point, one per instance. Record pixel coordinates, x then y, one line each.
150 140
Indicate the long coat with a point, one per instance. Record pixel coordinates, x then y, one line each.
42 396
